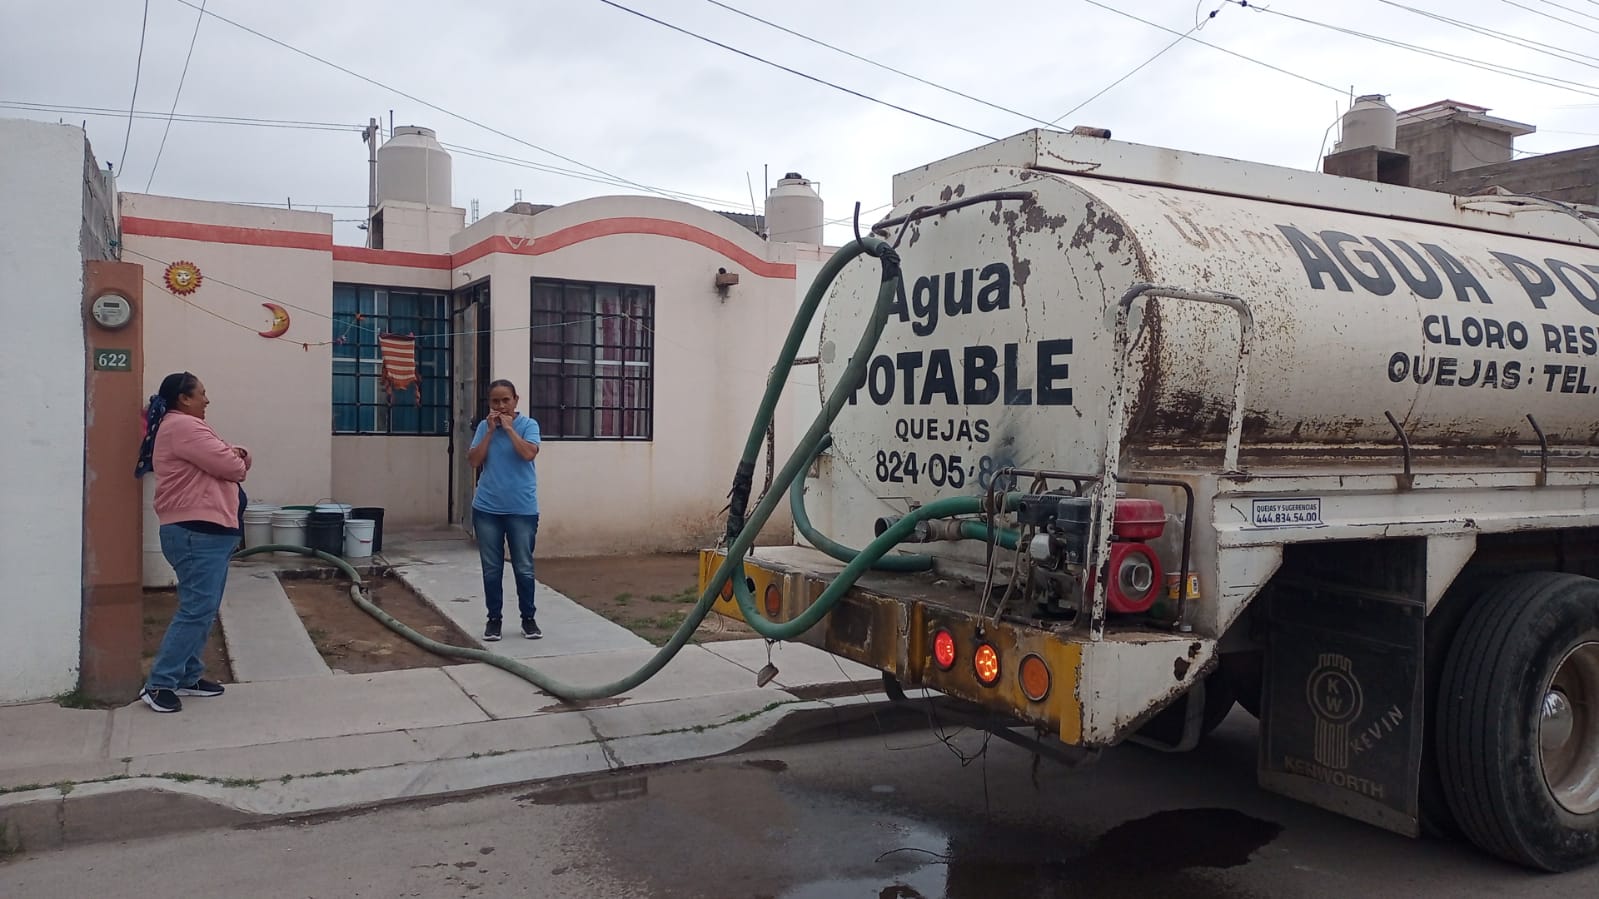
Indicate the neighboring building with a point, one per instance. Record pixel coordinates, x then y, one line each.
606 313
1457 148
56 213
640 332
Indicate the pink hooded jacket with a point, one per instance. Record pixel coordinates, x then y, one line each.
197 473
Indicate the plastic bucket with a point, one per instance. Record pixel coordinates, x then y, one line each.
358 538
375 515
258 524
288 528
325 531
342 508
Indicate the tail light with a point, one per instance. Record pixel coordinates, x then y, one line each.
944 649
773 601
1034 677
985 664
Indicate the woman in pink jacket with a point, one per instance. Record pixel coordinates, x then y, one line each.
199 500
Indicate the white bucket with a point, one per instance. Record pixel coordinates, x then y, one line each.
288 528
257 520
341 508
358 537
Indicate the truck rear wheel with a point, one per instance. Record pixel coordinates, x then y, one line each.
1517 740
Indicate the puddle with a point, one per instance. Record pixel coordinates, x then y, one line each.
1169 853
588 792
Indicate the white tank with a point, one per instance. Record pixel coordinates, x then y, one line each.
794 211
1370 122
413 168
1000 351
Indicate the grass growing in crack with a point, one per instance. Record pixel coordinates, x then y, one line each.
64 786
77 699
9 844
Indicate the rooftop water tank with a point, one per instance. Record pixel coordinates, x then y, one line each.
1370 122
413 168
794 211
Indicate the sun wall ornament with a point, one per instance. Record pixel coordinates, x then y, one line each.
183 278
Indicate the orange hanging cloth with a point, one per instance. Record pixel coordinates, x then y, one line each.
399 365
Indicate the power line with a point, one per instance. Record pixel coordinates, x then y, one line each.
1571 9
1337 90
1539 12
1524 43
872 62
767 62
175 95
1521 74
293 124
1134 71
415 99
138 67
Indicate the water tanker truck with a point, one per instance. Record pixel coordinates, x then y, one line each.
1147 433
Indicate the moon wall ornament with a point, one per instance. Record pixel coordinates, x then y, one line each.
280 321
183 278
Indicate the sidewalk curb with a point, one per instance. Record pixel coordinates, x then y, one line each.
135 807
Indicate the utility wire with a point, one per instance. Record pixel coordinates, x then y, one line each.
1524 43
872 62
1575 87
1573 10
1335 89
767 62
175 95
1539 12
1134 71
418 100
291 124
138 67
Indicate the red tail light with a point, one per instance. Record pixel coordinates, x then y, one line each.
944 650
774 601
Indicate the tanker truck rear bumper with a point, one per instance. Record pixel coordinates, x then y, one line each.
928 633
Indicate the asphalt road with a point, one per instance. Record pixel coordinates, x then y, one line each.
883 816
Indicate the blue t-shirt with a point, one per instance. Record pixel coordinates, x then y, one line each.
509 484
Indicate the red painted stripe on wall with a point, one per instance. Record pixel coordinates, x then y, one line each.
549 243
257 237
566 237
392 257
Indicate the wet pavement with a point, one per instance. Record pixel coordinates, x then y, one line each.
902 815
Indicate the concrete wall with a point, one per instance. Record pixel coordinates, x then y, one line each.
1570 177
273 396
409 477
712 357
42 368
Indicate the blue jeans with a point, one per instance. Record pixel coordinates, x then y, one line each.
493 532
201 563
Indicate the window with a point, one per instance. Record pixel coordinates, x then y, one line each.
361 405
593 348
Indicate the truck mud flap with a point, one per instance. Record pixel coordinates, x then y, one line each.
1342 719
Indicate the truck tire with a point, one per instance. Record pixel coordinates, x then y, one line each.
1517 740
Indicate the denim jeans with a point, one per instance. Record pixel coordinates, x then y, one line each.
493 532
201 563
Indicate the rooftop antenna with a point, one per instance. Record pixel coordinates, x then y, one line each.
474 212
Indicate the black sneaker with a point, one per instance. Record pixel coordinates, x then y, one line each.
161 700
492 632
201 687
530 629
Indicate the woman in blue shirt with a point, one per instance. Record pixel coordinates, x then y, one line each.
505 507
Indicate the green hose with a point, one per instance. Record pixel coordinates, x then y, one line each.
802 523
741 531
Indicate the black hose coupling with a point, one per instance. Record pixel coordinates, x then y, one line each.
739 499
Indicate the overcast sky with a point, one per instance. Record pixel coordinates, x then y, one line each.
610 90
